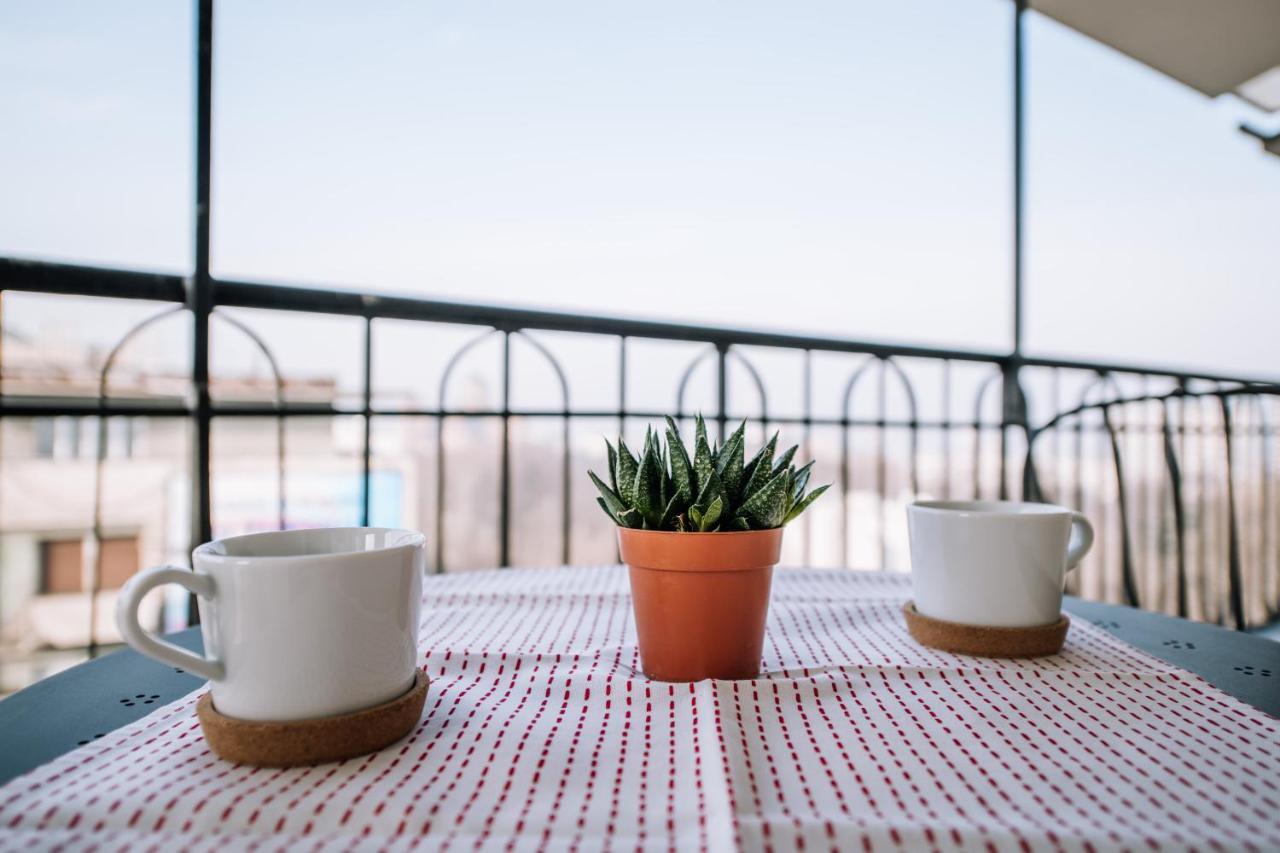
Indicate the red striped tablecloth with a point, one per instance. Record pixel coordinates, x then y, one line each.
540 732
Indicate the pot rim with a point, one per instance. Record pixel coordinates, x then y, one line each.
674 551
629 531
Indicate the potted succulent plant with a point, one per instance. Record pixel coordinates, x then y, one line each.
700 536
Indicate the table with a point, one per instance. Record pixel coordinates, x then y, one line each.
712 764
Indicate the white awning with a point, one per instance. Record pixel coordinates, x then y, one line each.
1213 46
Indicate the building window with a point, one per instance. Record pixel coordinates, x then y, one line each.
62 567
44 437
62 437
77 438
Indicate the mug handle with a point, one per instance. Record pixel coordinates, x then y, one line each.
1081 540
134 634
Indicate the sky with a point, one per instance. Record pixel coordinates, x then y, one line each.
841 168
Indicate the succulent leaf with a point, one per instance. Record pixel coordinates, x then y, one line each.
631 519
730 463
784 461
712 490
613 466
803 504
665 488
681 468
612 502
703 462
760 468
712 516
800 481
626 474
604 507
669 513
724 452
767 507
646 495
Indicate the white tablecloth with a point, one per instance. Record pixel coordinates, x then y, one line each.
540 731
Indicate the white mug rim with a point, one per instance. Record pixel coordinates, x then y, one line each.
209 552
988 509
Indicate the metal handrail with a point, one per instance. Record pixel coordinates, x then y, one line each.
1102 393
1173 471
67 279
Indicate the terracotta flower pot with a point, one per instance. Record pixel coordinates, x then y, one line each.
701 600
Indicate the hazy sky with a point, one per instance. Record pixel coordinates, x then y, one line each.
831 167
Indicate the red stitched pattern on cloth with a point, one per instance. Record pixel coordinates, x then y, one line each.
539 732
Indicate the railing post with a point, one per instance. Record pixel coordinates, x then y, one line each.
807 445
722 389
1014 409
1235 592
1174 472
882 453
1013 413
1127 578
367 412
622 384
1019 152
504 486
200 289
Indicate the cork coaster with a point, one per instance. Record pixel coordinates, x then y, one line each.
986 641
297 742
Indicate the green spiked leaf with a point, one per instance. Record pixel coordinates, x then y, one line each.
738 437
803 504
613 503
785 459
712 490
703 461
767 507
729 465
669 513
647 491
760 469
613 466
631 519
626 473
681 468
666 487
604 507
712 516
800 480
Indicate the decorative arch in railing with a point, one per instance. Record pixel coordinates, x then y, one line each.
504 549
723 353
1006 422
278 380
885 364
566 483
104 376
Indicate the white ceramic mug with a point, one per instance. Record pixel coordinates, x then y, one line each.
996 563
297 624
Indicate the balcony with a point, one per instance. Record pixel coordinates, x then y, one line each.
143 412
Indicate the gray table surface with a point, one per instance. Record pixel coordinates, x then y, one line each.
87 701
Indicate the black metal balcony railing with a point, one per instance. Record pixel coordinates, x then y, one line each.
1004 454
